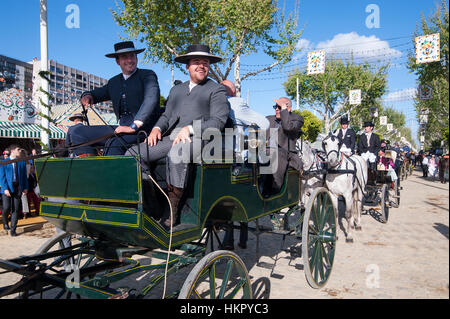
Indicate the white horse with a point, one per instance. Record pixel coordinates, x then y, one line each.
346 177
312 177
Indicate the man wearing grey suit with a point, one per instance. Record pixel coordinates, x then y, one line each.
197 101
135 97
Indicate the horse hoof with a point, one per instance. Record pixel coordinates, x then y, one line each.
358 228
349 240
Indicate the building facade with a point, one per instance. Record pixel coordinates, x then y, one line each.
15 74
67 84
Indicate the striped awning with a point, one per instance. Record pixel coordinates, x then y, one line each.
28 130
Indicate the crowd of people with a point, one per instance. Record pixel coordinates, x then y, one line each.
18 186
434 166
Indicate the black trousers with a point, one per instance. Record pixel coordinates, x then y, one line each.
113 146
11 205
425 170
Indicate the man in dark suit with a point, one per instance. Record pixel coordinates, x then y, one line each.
192 107
14 183
369 145
347 135
135 97
288 125
73 139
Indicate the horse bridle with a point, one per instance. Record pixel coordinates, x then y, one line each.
338 152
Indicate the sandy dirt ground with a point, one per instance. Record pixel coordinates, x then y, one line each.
408 257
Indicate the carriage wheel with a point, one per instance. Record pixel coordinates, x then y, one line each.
394 194
78 261
384 203
319 238
219 275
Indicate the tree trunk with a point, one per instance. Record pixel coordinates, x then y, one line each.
237 75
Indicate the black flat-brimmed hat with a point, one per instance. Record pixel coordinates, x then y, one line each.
197 51
123 47
77 116
344 120
368 123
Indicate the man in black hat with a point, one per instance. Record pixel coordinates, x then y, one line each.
135 97
347 135
368 147
197 101
73 139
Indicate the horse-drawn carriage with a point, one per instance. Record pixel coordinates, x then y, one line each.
111 214
383 192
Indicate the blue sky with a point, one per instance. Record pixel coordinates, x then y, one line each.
326 23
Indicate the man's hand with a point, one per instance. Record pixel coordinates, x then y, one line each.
87 100
154 137
124 129
7 193
284 106
182 136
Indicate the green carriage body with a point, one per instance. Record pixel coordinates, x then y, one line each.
103 198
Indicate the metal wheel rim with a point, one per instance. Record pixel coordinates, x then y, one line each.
204 274
319 236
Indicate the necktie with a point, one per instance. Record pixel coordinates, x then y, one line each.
16 172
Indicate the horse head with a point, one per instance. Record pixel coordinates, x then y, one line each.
331 145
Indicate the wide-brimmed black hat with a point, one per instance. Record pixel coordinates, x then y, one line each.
368 123
123 47
344 120
77 116
197 51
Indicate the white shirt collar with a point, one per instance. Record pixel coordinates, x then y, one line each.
127 76
191 85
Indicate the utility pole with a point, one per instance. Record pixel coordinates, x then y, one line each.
44 67
298 104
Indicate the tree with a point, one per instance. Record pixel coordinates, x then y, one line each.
327 93
231 28
435 75
312 125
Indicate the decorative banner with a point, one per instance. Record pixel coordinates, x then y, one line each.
15 108
354 97
383 120
422 138
316 62
425 92
403 139
428 48
423 119
373 111
390 127
399 134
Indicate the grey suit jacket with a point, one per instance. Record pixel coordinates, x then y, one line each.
206 102
290 123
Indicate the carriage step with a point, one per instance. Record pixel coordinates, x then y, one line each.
280 232
263 264
395 196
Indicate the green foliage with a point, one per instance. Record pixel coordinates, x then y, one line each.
434 74
328 93
232 28
312 125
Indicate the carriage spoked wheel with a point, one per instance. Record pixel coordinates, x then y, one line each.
319 235
219 275
384 203
394 194
65 266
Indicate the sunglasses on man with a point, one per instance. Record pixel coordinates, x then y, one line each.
276 106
